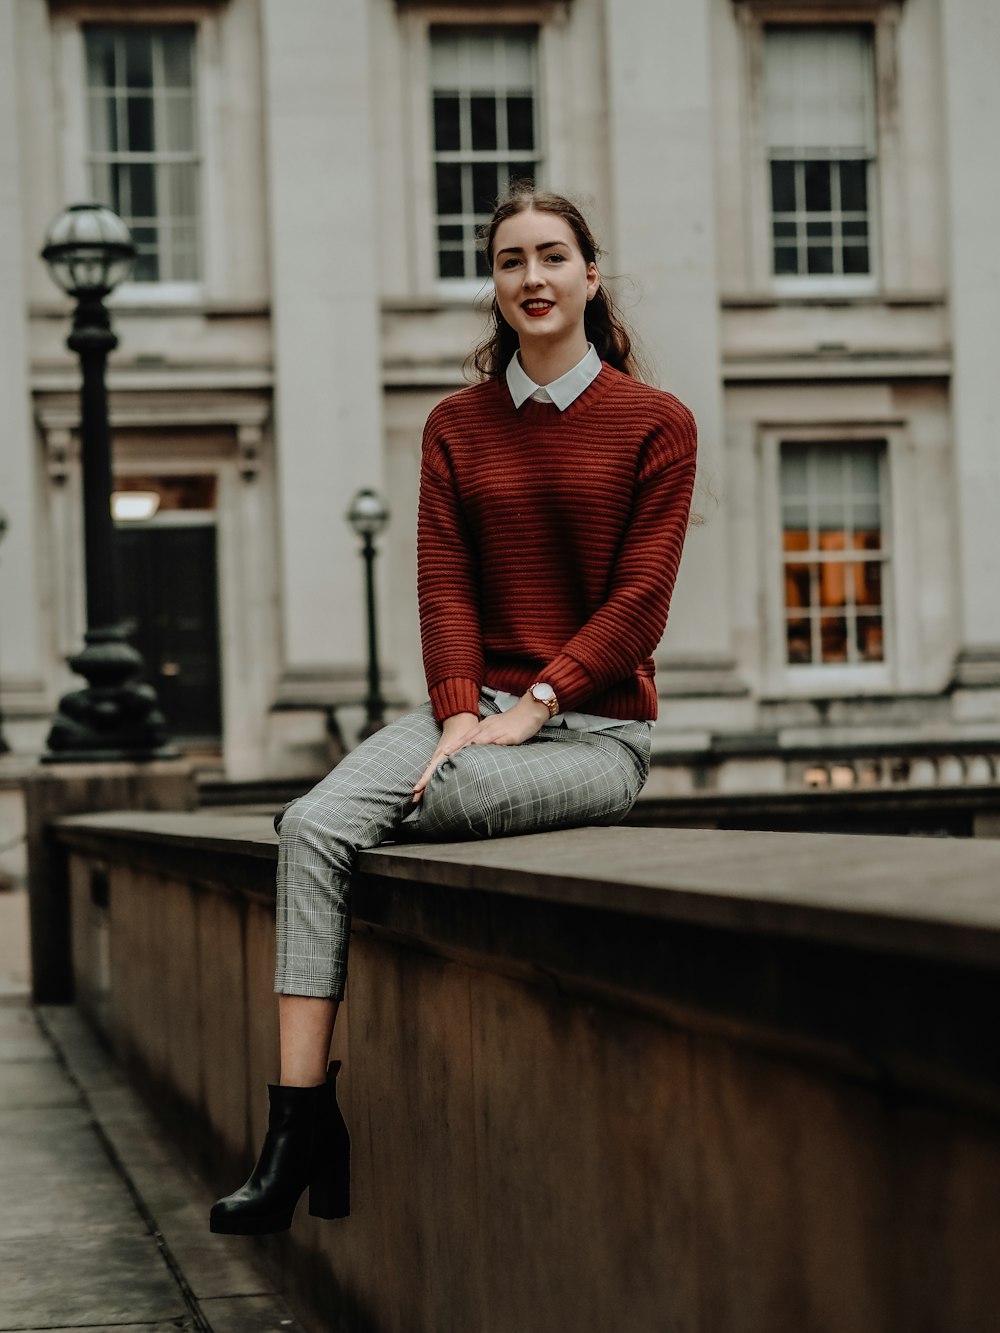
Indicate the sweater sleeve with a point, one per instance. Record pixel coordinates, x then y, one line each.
625 630
447 584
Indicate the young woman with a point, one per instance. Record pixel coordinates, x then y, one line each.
554 500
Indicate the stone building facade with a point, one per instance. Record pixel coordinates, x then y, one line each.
800 205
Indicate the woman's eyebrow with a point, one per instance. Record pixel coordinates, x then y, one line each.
519 249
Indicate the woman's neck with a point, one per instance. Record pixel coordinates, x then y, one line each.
545 364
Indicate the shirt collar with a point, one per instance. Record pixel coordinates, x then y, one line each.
563 391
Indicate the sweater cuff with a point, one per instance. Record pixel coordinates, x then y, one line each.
569 680
457 694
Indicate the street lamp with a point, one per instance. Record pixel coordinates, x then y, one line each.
368 515
4 747
89 251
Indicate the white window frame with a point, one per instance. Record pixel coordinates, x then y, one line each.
886 200
861 283
158 155
470 157
415 23
71 63
899 669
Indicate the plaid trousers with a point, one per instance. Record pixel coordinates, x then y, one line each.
561 778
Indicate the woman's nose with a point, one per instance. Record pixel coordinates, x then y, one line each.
533 276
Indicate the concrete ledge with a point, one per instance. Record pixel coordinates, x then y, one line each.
670 1077
935 899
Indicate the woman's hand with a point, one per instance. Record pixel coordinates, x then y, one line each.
456 732
514 727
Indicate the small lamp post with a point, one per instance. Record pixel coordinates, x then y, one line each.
4 747
89 251
368 515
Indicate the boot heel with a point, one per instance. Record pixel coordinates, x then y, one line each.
331 1198
330 1187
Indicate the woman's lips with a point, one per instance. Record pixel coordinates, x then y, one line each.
537 308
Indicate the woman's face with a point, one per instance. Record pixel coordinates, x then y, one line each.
542 281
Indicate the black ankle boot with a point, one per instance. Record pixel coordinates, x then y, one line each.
307 1145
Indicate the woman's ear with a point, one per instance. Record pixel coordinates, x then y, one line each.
593 281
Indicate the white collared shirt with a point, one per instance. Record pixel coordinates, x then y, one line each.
561 392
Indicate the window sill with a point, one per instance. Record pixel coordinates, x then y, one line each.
772 299
833 682
157 294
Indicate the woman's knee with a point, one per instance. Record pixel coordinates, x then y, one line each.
314 827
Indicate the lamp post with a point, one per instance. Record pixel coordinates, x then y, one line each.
368 515
4 747
89 251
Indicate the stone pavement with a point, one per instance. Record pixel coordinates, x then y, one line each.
102 1227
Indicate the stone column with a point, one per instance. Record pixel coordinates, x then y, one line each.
663 206
324 301
21 599
971 55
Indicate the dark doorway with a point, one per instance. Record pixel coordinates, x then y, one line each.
168 588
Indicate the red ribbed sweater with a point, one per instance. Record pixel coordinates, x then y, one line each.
548 543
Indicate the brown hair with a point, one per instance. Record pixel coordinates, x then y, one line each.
603 325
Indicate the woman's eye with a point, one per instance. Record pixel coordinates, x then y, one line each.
509 263
559 259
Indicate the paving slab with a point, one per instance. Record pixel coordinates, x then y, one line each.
81 1277
247 1314
104 1227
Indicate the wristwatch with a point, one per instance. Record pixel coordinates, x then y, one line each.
546 695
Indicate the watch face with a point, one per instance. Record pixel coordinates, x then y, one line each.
543 693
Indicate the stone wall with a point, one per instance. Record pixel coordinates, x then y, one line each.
605 1079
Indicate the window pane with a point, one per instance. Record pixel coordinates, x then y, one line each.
484 187
819 231
799 640
870 639
142 184
856 259
856 230
449 187
817 177
447 137
103 123
100 57
140 124
147 268
854 187
786 231
482 268
786 260
820 259
833 638
783 187
484 124
520 123
178 57
798 585
451 264
102 185
868 583
138 57
181 179
450 233
180 123
867 534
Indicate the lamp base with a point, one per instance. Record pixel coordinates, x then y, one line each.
116 716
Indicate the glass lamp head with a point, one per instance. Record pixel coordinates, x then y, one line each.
368 513
89 250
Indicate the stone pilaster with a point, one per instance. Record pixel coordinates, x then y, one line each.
663 205
971 51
